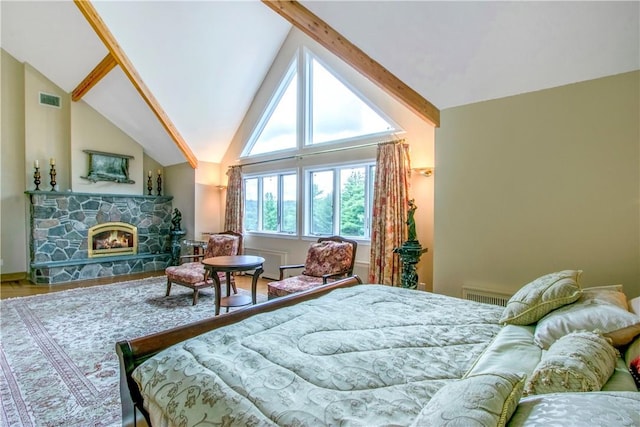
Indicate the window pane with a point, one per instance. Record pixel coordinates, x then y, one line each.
289 203
251 204
352 201
321 203
338 113
280 131
270 203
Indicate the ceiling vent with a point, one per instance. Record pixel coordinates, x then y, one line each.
49 100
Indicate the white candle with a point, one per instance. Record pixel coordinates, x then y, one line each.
52 161
36 164
149 173
159 171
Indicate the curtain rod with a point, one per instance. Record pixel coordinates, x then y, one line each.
332 150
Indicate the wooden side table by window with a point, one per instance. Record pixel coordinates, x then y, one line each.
229 264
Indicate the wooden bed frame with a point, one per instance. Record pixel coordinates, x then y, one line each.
134 352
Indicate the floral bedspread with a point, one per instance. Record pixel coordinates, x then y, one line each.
363 356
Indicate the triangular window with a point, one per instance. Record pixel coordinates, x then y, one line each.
337 112
278 130
331 111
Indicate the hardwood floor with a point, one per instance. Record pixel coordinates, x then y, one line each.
21 288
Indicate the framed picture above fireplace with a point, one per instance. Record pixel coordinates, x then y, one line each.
108 167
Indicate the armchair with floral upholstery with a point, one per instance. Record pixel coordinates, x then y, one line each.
328 259
193 274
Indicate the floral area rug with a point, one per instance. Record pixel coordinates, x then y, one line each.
58 365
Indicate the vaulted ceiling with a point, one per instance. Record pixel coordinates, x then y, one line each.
198 64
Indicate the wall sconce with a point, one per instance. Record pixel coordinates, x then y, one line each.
427 172
221 187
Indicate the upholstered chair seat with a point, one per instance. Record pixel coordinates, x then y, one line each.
328 259
193 274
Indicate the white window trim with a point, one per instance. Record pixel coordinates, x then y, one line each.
279 173
305 185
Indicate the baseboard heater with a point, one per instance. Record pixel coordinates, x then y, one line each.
485 296
272 261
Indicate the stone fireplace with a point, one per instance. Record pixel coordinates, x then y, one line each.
112 238
79 236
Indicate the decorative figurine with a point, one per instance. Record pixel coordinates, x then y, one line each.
175 220
177 234
410 251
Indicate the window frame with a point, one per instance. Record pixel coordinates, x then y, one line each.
280 174
369 166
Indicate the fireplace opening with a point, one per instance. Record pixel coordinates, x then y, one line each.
111 239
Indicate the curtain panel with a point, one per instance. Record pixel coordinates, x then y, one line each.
390 204
234 210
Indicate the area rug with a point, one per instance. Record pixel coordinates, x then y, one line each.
58 365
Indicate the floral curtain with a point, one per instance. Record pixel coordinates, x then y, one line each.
234 211
390 203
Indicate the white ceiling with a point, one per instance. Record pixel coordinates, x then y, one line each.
204 60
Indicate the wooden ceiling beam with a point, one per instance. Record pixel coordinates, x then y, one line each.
323 33
92 79
98 25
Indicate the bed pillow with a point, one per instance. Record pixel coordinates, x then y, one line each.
477 400
601 408
597 309
580 361
634 305
632 360
541 296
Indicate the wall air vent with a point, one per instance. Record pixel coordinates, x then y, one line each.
485 296
50 100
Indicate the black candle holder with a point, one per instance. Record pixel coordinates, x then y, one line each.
159 184
149 185
52 174
36 178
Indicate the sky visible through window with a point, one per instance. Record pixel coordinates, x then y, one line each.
337 114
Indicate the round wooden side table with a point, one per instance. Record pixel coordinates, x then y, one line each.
229 264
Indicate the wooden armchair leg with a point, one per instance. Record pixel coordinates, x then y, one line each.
168 286
195 296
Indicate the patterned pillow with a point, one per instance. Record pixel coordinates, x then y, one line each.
541 296
580 361
598 310
328 257
478 400
222 245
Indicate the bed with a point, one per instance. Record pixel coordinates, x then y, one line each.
353 354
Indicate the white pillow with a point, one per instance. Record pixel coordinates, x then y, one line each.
597 309
634 305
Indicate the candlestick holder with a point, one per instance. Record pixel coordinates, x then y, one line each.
159 184
52 174
36 179
149 185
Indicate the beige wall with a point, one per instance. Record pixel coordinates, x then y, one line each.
13 247
47 131
540 182
32 131
178 181
90 131
419 134
210 199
